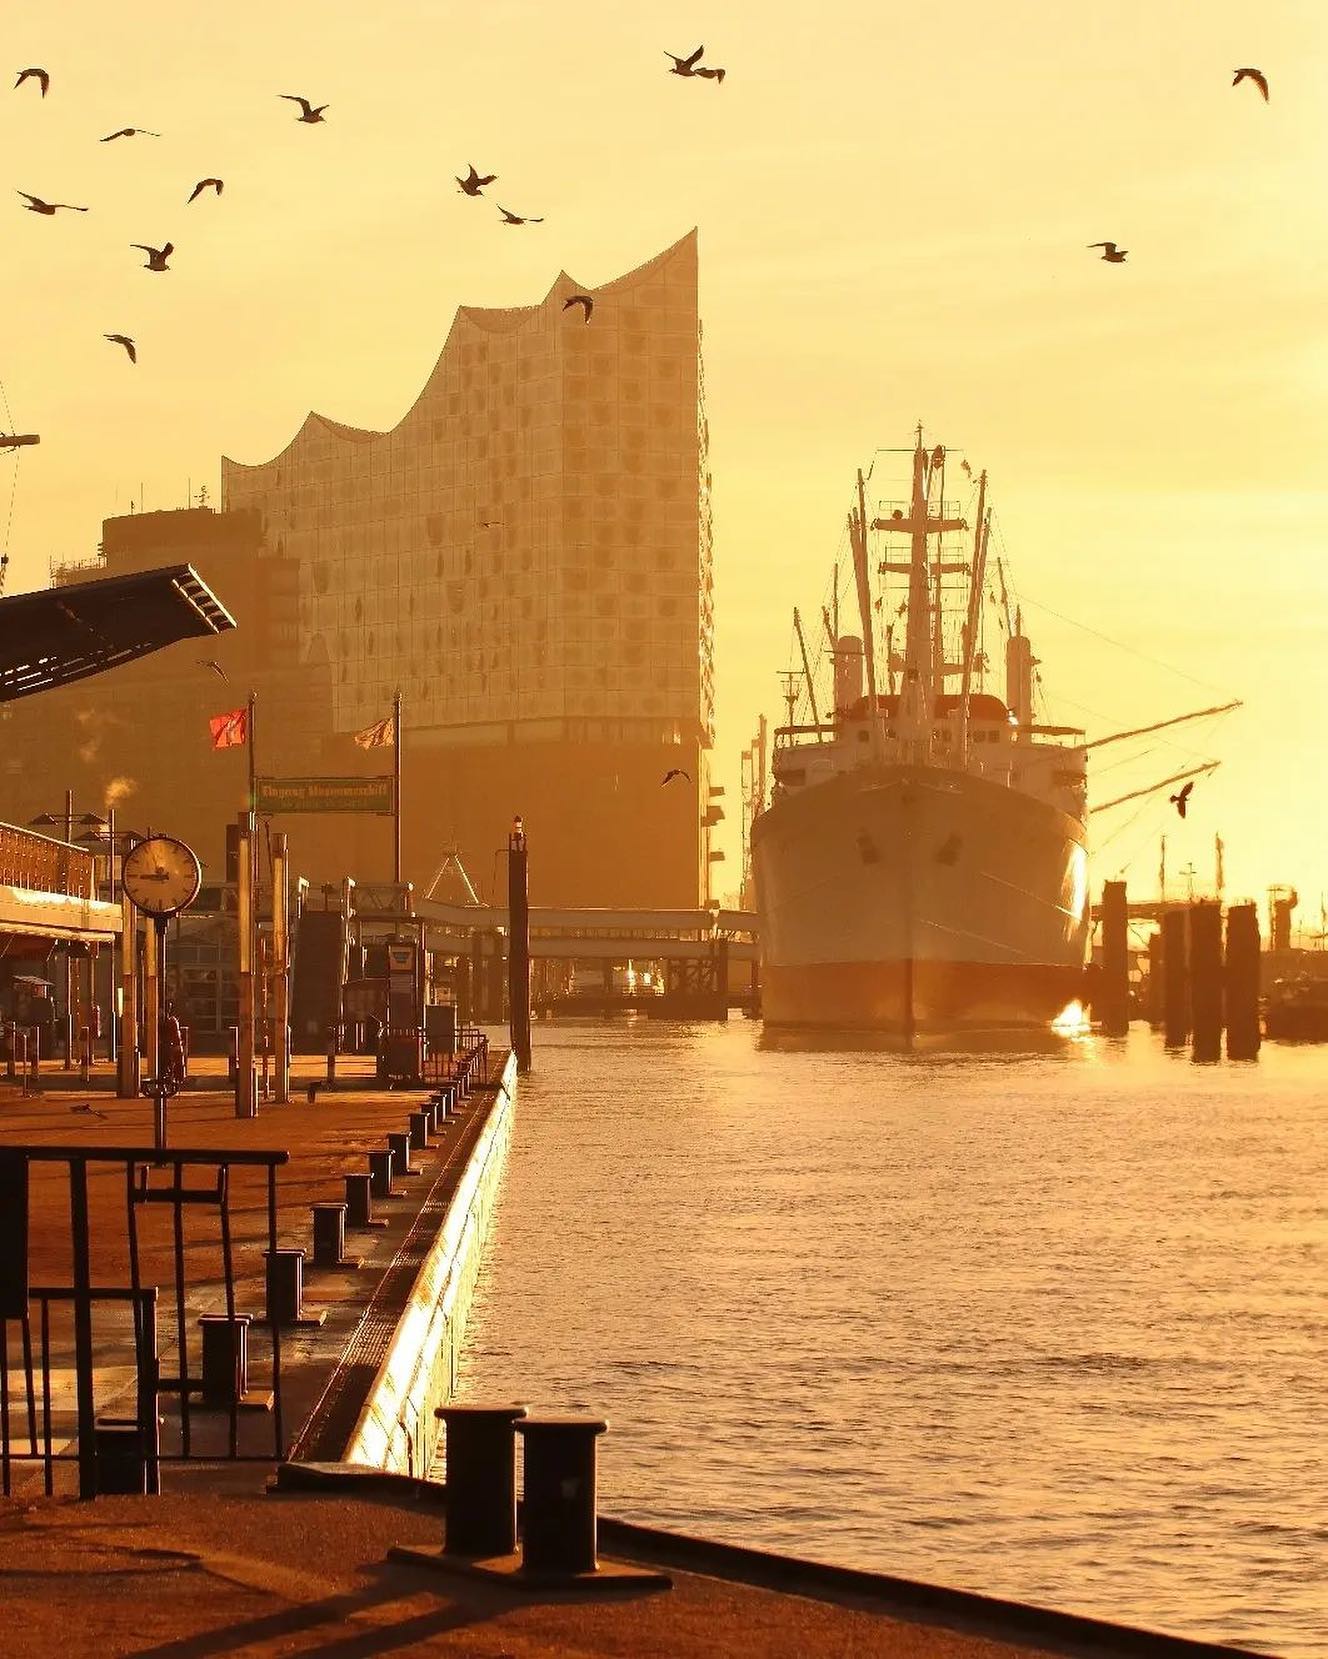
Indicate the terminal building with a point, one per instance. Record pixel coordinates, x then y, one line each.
525 557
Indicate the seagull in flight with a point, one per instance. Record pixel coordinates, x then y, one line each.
126 342
675 772
1110 252
510 218
583 300
204 184
685 66
157 257
39 75
1257 76
35 204
716 75
130 132
214 665
1182 800
89 1108
474 183
308 112
968 471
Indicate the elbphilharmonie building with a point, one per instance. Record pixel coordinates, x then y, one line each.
525 557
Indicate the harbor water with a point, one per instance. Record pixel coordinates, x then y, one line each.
1049 1325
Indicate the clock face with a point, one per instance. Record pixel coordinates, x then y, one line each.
162 875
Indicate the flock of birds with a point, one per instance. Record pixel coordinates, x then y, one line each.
311 114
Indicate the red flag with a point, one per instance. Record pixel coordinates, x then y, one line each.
229 731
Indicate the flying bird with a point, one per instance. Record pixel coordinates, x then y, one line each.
716 75
674 772
157 257
35 204
1110 252
214 665
473 182
1182 800
204 184
510 218
583 300
130 132
1257 76
126 342
308 111
90 1109
39 75
968 471
685 66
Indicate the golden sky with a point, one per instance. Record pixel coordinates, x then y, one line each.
893 206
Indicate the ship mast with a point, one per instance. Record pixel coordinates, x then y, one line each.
977 584
919 688
857 532
807 672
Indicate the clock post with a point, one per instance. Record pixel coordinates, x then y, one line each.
162 877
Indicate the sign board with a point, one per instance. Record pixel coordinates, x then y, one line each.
325 795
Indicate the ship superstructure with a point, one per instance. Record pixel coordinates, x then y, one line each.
922 860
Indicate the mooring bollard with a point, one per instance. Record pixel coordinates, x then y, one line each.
285 1286
329 1235
419 1128
480 1500
398 1141
121 1458
559 1526
380 1174
332 1058
359 1199
225 1359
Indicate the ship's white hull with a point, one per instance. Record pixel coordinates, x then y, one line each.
907 898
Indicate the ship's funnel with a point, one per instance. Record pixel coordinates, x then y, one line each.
848 672
1019 678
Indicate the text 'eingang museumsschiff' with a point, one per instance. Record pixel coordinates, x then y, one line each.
526 558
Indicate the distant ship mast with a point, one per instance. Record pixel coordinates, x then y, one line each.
924 648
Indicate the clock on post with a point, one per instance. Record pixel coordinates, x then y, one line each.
161 876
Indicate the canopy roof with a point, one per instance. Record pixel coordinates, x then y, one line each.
61 634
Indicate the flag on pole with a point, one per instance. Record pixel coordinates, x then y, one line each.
229 731
381 735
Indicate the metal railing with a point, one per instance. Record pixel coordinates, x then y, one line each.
45 866
179 1190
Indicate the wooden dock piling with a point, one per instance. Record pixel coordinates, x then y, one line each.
1176 978
1206 974
1244 1031
1114 985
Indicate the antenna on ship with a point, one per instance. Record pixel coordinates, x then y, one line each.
807 673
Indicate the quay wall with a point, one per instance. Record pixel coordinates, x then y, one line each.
396 1429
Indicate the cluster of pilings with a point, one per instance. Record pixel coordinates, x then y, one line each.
1203 978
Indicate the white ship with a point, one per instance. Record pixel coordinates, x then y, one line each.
922 861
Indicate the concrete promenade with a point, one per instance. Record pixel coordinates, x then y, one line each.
176 1578
325 1139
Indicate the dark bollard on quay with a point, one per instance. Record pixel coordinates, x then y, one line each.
398 1144
381 1170
559 1521
480 1509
